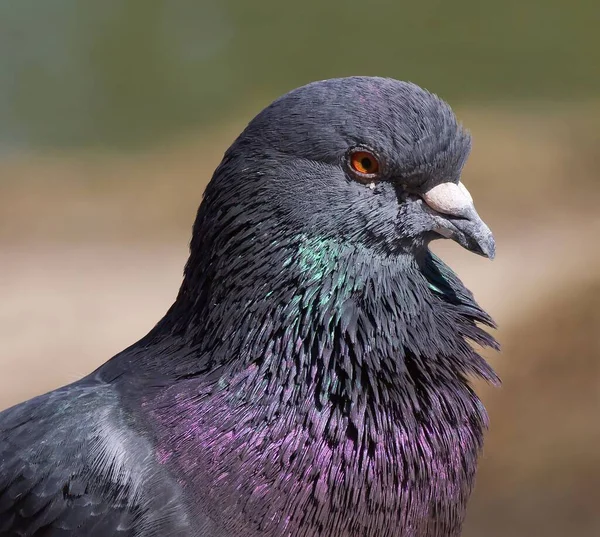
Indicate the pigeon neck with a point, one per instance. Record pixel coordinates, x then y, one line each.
328 313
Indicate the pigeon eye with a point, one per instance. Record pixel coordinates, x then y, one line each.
364 164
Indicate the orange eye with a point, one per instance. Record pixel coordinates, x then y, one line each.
364 163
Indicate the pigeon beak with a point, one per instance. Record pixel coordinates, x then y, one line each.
458 219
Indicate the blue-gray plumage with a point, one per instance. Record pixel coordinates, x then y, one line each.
311 378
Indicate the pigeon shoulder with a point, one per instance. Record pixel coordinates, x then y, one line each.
74 462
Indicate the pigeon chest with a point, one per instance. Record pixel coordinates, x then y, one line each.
309 474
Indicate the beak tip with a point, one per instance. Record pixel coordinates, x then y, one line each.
488 247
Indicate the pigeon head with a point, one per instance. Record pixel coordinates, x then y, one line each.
366 161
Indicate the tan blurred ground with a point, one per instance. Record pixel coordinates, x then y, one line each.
92 247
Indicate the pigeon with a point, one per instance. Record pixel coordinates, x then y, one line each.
313 376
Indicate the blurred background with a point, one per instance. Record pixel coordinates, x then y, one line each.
113 114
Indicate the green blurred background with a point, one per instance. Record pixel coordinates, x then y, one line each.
113 114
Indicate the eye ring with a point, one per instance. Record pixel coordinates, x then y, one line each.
364 164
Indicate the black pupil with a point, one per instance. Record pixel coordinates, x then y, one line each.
366 163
